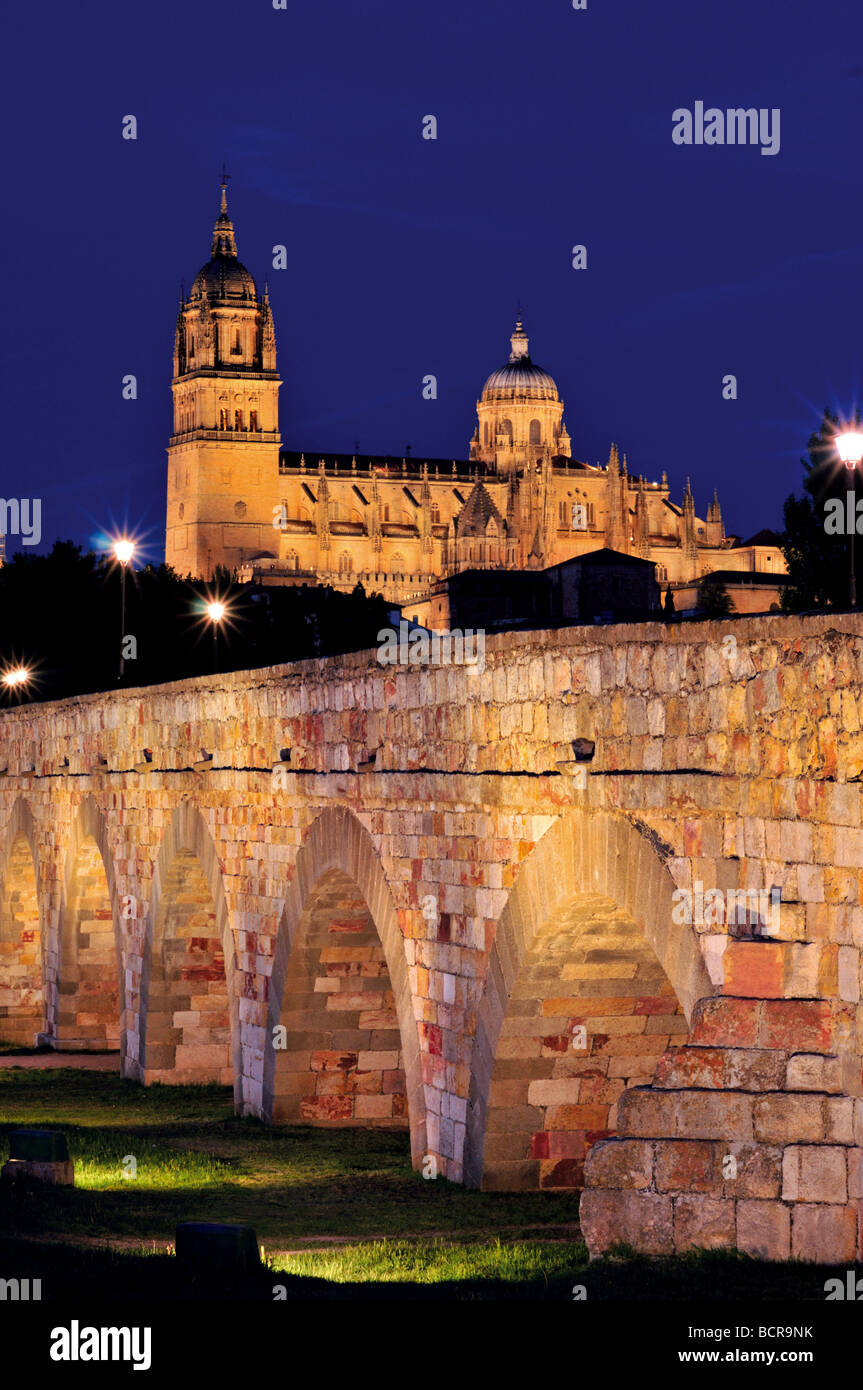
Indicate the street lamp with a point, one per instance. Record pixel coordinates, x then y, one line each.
849 446
123 552
216 612
15 678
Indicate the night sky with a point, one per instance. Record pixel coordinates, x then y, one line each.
408 256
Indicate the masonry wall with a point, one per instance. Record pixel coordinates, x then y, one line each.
726 754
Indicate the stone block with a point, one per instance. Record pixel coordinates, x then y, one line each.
624 1163
824 1234
764 1229
609 1217
814 1173
704 1223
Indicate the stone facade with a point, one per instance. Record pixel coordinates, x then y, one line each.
431 913
235 498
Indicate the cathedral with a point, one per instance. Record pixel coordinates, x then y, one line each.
401 526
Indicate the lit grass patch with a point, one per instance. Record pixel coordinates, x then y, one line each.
103 1165
435 1262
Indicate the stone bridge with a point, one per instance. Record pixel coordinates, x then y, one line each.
450 900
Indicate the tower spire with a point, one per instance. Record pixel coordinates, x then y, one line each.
224 241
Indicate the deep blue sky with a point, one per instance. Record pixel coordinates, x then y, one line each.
408 256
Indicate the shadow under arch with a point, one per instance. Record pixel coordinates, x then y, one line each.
337 843
186 863
597 863
91 1002
22 937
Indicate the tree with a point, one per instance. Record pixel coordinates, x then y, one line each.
713 598
60 617
818 562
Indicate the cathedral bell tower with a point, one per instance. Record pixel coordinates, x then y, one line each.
223 456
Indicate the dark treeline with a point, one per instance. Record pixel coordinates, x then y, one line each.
60 617
818 562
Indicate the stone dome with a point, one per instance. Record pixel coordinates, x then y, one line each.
519 378
224 276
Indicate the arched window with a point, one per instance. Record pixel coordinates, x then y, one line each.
291 560
485 432
435 513
386 511
535 436
253 421
236 349
563 513
192 346
397 564
505 427
346 564
223 420
238 419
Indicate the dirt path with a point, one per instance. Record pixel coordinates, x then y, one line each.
50 1061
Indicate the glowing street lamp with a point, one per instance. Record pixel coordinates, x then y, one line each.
124 549
849 447
216 612
14 679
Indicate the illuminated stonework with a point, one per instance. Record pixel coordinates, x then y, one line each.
398 525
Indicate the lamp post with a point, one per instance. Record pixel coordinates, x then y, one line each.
215 612
849 446
123 552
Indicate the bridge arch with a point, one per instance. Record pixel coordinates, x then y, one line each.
90 1012
350 1032
189 1023
587 980
22 994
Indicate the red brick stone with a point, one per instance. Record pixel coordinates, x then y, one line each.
539 1147
327 1108
725 1022
565 1173
753 969
797 1025
687 1165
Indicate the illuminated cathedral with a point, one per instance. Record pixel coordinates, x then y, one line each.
398 526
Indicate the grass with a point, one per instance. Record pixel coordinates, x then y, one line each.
196 1160
340 1213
